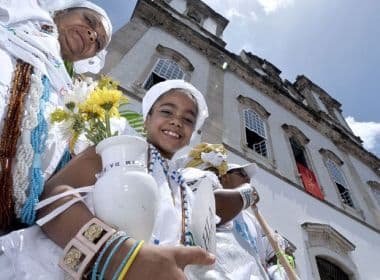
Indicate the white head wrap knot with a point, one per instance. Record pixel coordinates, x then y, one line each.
213 158
161 88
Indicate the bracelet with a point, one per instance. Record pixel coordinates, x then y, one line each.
81 250
130 261
127 261
110 255
114 237
248 194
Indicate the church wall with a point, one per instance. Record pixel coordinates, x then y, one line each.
286 208
282 161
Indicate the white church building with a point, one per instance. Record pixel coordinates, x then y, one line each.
318 186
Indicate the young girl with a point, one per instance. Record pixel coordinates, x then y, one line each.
172 111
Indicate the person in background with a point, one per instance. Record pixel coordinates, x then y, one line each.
35 41
240 253
275 270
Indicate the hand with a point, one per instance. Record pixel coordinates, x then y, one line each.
255 195
167 262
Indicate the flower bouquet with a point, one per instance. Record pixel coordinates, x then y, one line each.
125 195
88 110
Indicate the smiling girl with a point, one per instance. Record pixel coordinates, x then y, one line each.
172 111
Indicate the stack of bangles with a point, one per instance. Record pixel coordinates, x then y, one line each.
91 247
248 194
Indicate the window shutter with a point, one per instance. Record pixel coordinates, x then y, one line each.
254 122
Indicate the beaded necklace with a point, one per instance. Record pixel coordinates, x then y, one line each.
9 137
24 155
154 156
38 140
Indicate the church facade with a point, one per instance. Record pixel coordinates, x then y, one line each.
318 186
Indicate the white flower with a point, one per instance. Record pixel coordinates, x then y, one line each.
213 158
82 88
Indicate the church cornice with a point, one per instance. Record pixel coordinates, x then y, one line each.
155 15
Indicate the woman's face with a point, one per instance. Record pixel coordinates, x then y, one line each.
234 178
171 122
81 33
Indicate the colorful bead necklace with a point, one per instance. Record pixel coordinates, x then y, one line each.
175 176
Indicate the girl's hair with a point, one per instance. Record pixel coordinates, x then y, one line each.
180 90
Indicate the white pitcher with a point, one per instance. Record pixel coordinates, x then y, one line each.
125 195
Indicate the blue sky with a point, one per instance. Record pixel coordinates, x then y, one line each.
334 43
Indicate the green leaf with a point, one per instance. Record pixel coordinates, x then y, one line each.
135 120
69 68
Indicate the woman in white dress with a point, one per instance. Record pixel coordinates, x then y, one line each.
239 247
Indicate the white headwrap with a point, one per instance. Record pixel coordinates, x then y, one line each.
92 64
159 89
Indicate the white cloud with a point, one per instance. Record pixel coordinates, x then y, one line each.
242 9
271 6
369 132
233 12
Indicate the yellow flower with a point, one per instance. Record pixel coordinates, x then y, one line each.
107 99
90 110
107 83
59 115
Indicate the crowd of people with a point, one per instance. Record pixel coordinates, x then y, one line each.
37 40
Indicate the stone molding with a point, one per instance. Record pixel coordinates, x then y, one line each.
176 56
322 235
250 103
292 130
331 155
302 82
374 184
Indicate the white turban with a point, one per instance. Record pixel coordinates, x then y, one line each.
161 88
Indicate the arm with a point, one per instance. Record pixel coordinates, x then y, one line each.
80 171
228 204
163 262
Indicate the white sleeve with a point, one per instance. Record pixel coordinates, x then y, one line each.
6 71
277 273
215 180
13 11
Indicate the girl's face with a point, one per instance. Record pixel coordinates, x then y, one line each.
171 122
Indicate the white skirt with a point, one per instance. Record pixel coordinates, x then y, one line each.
29 254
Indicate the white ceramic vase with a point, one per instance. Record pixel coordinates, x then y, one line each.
125 195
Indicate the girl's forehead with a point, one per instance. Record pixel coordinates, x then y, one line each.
179 99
